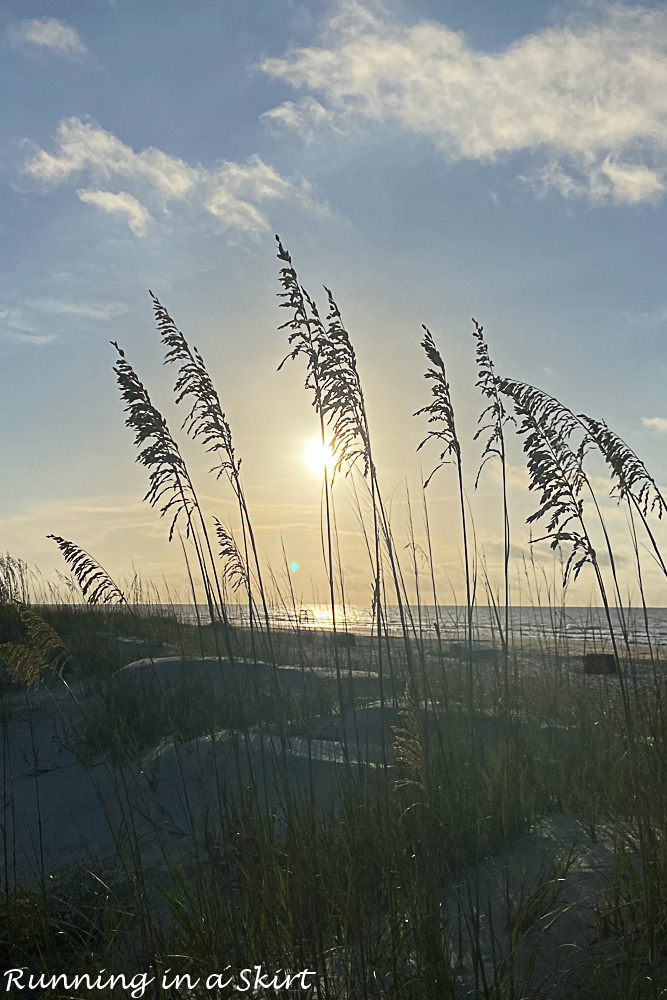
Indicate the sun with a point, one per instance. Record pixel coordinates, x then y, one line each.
317 456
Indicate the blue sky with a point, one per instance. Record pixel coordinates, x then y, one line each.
429 161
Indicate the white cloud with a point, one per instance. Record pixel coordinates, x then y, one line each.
235 213
84 146
231 192
253 179
657 423
588 100
307 118
119 203
48 33
236 186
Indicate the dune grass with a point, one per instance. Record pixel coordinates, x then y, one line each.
372 870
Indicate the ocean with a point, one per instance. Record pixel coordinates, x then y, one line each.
572 623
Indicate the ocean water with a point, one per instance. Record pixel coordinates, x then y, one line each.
576 623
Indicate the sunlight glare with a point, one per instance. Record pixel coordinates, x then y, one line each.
317 456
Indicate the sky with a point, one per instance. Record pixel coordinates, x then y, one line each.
429 161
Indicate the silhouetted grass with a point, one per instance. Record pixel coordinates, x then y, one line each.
373 871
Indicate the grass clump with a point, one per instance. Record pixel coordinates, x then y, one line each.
354 825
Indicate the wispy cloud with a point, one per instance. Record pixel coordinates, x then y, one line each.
119 203
657 423
232 192
110 527
308 118
34 339
25 324
588 99
48 33
652 316
14 318
102 311
17 327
